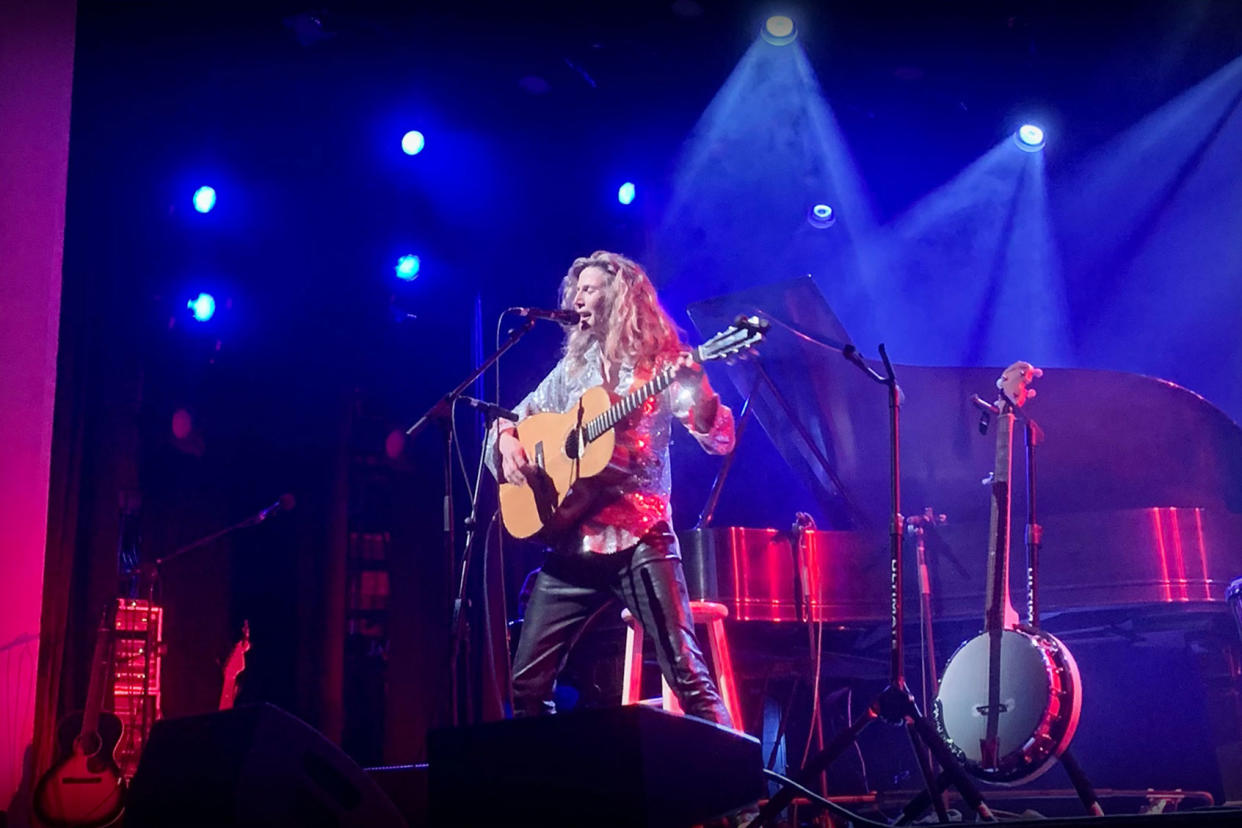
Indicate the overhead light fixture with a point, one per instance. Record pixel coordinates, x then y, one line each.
1030 138
779 30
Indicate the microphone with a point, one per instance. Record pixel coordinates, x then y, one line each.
851 353
565 317
490 409
285 504
986 410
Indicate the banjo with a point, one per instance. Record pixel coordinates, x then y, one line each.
1010 697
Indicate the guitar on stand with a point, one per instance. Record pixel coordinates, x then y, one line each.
575 451
234 666
1010 698
85 789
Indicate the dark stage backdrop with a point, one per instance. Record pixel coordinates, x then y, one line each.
534 114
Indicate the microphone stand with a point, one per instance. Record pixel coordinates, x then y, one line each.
253 520
442 413
460 627
1034 532
154 569
1034 543
894 704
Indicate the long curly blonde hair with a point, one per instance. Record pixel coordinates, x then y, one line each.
640 331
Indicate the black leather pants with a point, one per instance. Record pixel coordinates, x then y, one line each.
574 587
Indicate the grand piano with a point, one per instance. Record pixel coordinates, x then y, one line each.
1139 483
1139 493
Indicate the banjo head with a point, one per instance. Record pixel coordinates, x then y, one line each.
1040 700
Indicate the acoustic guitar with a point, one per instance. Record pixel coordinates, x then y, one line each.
1010 697
576 453
85 789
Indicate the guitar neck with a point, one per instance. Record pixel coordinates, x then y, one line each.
999 610
99 678
628 404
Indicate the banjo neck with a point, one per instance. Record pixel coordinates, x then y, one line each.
999 613
1015 390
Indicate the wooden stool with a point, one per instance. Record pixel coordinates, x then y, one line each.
701 612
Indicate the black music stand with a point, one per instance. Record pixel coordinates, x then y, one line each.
789 393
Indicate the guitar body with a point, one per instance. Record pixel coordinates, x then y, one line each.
84 788
1039 698
569 466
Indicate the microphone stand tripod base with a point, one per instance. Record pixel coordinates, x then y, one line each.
896 706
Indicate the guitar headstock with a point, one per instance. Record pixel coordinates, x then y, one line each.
745 333
1015 384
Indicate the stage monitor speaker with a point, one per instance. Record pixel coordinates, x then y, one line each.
406 786
632 766
251 766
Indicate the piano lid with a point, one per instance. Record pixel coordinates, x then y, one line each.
1113 440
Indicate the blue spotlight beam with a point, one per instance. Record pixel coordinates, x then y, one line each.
979 259
1164 145
1156 266
763 152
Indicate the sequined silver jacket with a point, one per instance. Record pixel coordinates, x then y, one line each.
625 511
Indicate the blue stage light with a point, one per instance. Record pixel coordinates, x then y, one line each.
779 30
204 199
821 216
412 142
203 306
625 194
1030 138
407 267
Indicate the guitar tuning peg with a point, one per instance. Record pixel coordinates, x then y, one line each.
987 481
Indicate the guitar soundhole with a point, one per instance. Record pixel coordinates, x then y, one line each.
571 445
